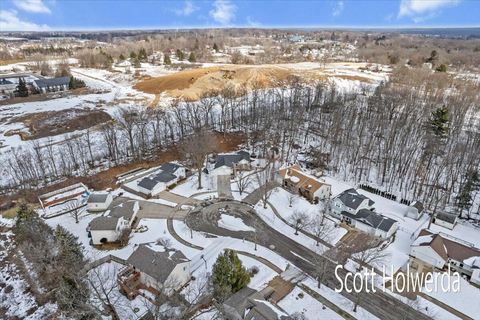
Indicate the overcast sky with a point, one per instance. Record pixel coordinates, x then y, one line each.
39 15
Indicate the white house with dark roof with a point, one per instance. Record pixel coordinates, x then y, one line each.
228 163
415 210
109 228
167 175
350 201
99 201
446 220
155 267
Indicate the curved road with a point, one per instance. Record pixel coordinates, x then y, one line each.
380 304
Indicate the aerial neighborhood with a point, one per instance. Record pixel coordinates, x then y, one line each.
234 171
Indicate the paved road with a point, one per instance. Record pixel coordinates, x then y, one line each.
224 187
379 304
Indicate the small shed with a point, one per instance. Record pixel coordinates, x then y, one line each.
446 220
99 201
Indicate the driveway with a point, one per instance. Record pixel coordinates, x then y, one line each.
224 187
153 210
176 198
257 194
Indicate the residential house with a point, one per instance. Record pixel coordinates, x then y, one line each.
250 304
99 201
167 175
296 181
154 268
446 220
350 201
109 228
415 210
52 85
438 250
371 223
229 164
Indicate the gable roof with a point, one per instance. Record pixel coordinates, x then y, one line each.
352 199
447 217
150 182
60 81
98 197
169 167
417 205
156 264
447 246
230 159
373 219
104 223
125 210
304 180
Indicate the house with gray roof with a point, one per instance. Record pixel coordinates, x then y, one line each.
158 268
109 227
167 175
99 201
250 304
228 163
52 85
357 210
350 201
446 220
371 222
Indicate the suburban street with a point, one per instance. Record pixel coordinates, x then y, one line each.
205 219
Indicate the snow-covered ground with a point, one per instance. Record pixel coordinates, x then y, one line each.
233 223
298 301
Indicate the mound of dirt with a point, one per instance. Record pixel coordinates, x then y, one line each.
50 123
193 84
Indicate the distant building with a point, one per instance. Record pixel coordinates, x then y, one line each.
167 175
52 85
350 201
295 180
7 87
109 228
229 163
437 250
99 201
154 268
415 210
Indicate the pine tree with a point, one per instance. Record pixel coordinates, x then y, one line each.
215 47
180 55
192 57
464 198
439 121
22 88
166 59
441 68
142 54
121 57
229 275
136 63
133 55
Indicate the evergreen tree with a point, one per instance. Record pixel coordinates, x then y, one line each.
438 122
133 55
464 198
121 57
75 83
192 57
142 54
197 45
215 47
22 88
229 275
136 63
441 68
166 59
180 55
